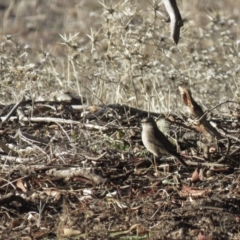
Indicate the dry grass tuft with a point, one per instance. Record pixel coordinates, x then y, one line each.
120 52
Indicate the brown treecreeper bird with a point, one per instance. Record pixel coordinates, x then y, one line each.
156 142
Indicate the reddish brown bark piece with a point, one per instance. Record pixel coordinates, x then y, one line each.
197 112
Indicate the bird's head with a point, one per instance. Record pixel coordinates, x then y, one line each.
148 122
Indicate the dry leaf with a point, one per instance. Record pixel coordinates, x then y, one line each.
201 176
195 176
68 232
21 186
193 192
203 236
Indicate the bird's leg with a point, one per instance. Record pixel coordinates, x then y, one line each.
154 163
